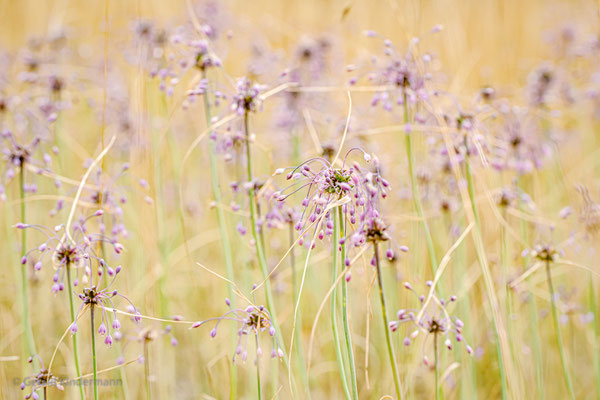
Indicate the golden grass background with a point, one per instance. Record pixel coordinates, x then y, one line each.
483 43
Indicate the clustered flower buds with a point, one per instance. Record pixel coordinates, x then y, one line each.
253 320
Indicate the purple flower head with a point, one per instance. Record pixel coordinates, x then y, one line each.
102 300
17 155
247 97
41 380
325 185
405 76
432 319
75 249
252 320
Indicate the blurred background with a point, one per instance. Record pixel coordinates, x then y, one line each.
102 52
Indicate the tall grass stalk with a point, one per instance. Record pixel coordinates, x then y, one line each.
147 370
30 343
533 314
386 324
259 390
299 354
415 191
345 316
223 232
559 340
74 337
334 328
505 282
94 364
437 369
480 258
258 242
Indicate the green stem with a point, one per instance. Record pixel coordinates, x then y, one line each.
94 366
561 350
507 297
345 319
297 339
24 296
480 258
533 314
386 325
147 370
334 328
262 261
216 190
416 196
258 369
437 371
74 337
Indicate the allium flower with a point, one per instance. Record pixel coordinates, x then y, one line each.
278 213
432 318
17 155
247 97
42 380
405 74
102 299
327 184
171 55
253 320
540 83
546 253
77 249
522 145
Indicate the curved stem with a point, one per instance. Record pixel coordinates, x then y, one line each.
561 350
386 324
416 196
24 296
74 337
94 366
224 234
334 328
345 318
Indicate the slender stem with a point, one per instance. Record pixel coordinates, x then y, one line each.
507 297
24 296
334 328
94 366
345 318
147 370
258 370
45 392
416 196
437 371
471 191
224 234
533 314
299 354
386 325
74 337
558 334
262 261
